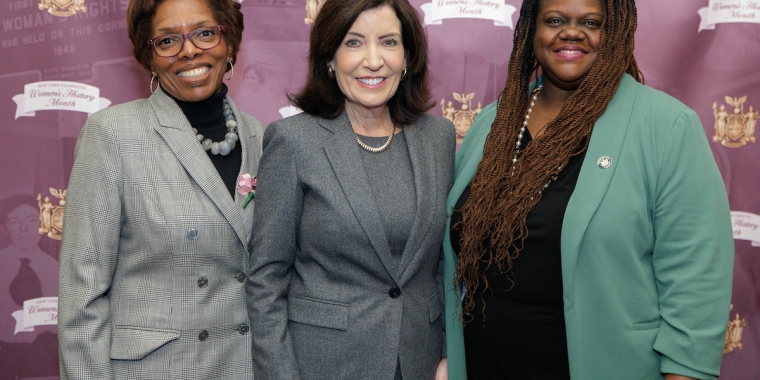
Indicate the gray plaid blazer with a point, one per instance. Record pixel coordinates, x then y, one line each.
326 297
154 251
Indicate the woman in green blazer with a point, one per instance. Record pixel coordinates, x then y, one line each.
642 243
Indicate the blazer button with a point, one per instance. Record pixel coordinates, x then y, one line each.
394 292
192 233
241 277
203 335
202 282
243 329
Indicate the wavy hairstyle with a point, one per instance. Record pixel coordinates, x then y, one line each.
140 14
500 201
321 95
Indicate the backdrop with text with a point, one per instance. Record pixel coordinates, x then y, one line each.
66 59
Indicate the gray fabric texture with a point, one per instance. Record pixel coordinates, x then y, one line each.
391 179
321 269
147 218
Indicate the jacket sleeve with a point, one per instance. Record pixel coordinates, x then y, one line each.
693 253
278 208
89 253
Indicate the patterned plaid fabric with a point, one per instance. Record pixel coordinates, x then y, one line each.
153 249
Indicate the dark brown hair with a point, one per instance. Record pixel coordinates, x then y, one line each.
321 95
500 199
140 15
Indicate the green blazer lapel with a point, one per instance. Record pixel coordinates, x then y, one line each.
423 158
594 180
343 154
176 131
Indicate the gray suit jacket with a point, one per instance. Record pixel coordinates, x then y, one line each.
326 298
154 250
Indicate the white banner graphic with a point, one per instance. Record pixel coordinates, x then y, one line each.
59 95
495 10
746 227
289 111
728 12
36 312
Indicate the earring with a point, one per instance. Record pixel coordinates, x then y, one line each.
232 69
330 72
403 74
152 91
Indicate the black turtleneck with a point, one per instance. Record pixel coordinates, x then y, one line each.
207 116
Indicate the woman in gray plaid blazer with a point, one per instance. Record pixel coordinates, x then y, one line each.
351 215
156 242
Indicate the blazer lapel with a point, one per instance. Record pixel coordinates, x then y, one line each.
606 140
177 132
251 154
343 154
423 158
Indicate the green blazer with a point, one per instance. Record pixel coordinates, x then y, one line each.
647 245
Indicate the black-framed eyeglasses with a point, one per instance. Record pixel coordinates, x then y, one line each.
204 38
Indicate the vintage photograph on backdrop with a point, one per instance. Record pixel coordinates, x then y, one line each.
65 60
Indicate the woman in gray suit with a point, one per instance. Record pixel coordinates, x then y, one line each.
350 212
156 242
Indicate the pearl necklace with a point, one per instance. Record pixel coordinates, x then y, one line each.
380 148
524 127
227 145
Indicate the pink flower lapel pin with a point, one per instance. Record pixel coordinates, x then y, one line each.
246 186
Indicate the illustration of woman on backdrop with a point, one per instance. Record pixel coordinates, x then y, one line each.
26 273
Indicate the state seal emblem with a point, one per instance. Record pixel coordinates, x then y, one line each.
734 333
462 117
62 8
51 216
312 9
737 128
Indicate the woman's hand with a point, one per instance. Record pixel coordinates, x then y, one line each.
442 373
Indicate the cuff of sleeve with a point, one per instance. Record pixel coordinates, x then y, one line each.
669 366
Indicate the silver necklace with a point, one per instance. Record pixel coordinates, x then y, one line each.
524 127
227 145
381 147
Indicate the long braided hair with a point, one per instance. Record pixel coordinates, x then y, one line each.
500 200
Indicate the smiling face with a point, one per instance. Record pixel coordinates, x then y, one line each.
193 74
566 44
370 60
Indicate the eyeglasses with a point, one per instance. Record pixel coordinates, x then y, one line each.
204 38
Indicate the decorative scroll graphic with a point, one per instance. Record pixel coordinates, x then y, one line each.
62 8
495 10
736 129
290 110
59 95
36 312
728 12
312 10
746 227
734 333
463 117
51 217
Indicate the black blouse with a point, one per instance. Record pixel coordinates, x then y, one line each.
207 116
521 332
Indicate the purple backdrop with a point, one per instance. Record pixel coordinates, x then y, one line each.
62 63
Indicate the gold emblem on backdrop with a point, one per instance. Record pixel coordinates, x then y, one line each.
312 9
62 8
734 333
736 128
462 117
51 217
